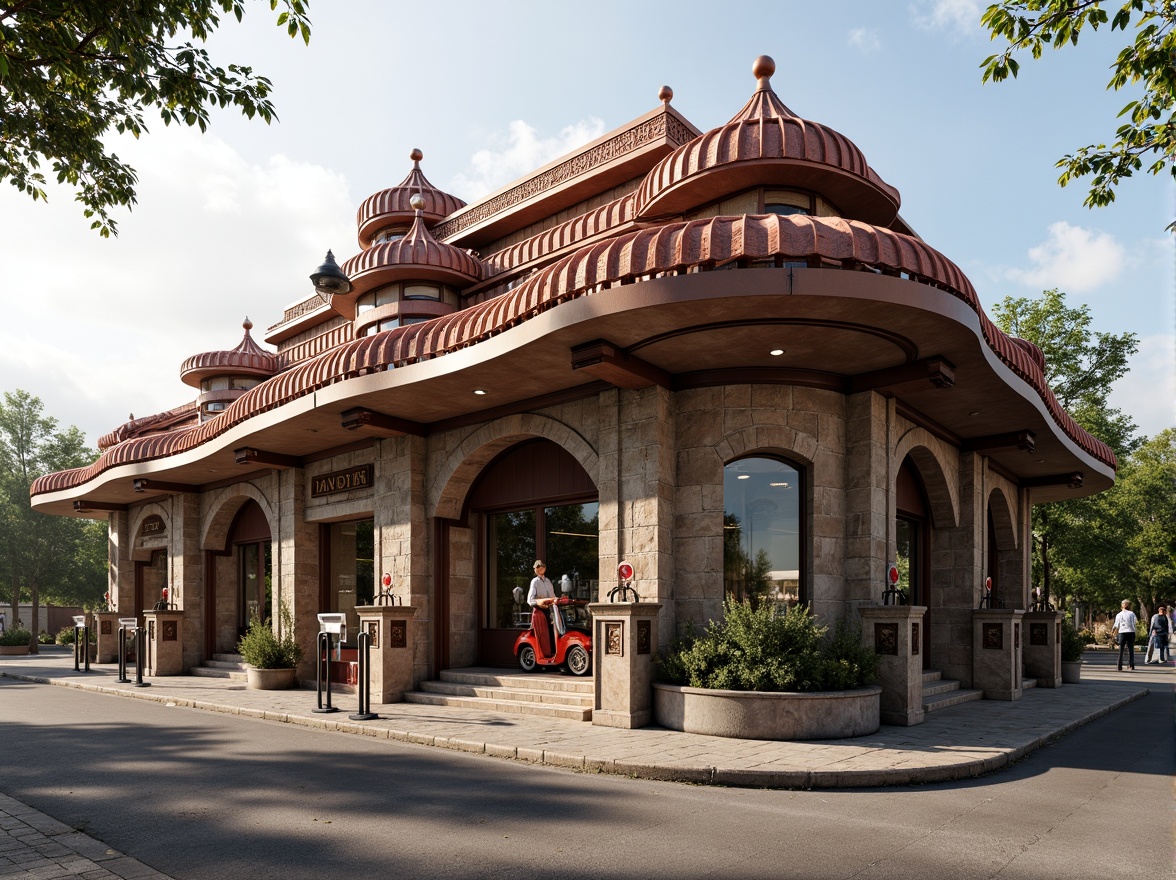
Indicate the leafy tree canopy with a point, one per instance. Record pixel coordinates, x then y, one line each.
1148 133
72 70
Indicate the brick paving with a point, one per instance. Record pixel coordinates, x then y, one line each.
960 742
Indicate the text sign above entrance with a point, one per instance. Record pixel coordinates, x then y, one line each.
342 481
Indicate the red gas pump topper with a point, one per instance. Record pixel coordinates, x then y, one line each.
386 580
892 575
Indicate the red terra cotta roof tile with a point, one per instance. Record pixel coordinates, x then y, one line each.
648 252
765 131
406 258
392 204
247 359
149 424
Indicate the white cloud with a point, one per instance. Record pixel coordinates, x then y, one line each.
958 16
517 152
98 328
865 39
1072 258
1148 392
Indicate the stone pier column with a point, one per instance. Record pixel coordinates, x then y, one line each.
392 638
624 641
892 631
1043 647
165 644
996 653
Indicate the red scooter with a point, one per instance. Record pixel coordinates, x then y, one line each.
573 649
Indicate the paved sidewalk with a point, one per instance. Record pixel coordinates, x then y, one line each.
32 845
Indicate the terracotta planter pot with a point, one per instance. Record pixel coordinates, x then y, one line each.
768 715
13 650
1071 671
269 679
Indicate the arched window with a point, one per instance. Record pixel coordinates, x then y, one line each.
763 530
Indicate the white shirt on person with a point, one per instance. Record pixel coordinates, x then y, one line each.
541 588
1125 622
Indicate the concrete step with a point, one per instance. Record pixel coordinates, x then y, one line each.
939 686
524 695
235 665
931 675
507 706
218 672
951 698
538 681
1027 683
228 658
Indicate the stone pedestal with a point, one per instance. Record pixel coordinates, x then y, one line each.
390 629
1043 647
996 653
894 633
164 654
106 625
624 640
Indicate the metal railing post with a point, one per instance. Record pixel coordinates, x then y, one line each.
122 655
139 683
365 680
86 645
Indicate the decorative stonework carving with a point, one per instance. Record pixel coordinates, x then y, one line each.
624 143
614 642
993 636
886 639
915 640
1039 634
644 637
104 627
169 630
397 633
373 631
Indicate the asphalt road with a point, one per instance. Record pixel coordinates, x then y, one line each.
208 796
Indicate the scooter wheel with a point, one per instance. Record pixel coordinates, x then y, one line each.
527 660
578 660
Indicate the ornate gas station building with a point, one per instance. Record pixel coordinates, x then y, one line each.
720 356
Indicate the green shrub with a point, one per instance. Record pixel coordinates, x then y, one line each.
262 649
15 636
66 636
43 638
761 648
1073 642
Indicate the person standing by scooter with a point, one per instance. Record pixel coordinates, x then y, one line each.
540 597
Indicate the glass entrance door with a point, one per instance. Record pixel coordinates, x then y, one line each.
253 583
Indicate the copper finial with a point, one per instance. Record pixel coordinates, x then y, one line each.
416 155
762 69
665 94
247 324
417 202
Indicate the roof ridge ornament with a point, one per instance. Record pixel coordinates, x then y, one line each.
665 94
764 103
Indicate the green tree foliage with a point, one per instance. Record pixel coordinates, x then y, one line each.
1144 506
1148 133
59 559
1078 547
71 71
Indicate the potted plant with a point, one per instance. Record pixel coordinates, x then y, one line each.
1073 644
15 641
271 659
766 673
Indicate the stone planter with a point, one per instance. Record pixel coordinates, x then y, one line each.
1071 671
768 715
13 650
269 679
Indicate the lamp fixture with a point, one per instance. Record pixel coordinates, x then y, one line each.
329 280
776 352
479 391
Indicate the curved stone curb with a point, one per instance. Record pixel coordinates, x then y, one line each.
969 768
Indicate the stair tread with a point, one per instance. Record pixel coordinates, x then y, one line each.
953 698
521 680
513 707
526 695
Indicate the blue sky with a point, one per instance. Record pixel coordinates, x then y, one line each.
231 223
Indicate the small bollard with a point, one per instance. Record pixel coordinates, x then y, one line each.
81 642
365 712
139 683
324 649
125 624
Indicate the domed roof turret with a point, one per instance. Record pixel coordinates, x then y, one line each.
391 207
247 359
417 256
765 143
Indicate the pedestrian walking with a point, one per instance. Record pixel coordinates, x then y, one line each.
1124 629
1157 637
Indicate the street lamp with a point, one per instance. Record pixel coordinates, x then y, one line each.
329 280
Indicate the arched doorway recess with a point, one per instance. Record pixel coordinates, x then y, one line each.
912 533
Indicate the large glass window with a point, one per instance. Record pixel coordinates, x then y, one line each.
907 534
762 530
351 570
512 545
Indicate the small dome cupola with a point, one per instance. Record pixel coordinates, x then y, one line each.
408 279
223 376
767 145
387 214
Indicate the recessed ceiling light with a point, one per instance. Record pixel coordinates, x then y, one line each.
974 412
776 352
744 477
779 485
479 391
